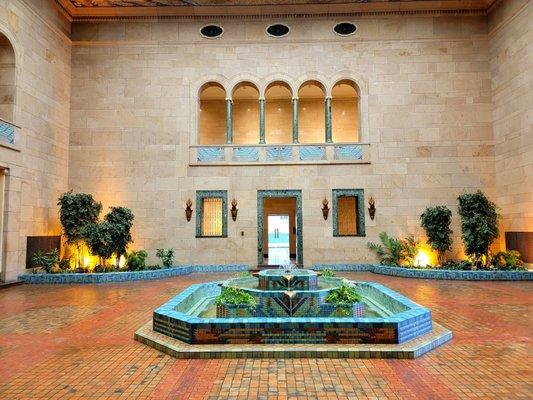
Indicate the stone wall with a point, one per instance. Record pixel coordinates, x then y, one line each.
511 61
37 165
426 81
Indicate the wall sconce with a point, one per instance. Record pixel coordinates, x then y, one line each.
325 208
371 208
188 210
234 209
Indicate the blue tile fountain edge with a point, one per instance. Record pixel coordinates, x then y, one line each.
129 276
430 273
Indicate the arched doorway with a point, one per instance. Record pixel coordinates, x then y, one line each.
278 113
345 111
212 114
245 99
311 112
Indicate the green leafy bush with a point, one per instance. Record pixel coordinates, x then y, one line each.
136 260
166 256
343 298
436 222
235 296
77 210
395 251
328 273
99 239
462 265
121 221
46 261
479 223
507 260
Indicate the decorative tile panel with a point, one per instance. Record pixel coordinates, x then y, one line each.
348 152
279 153
359 195
200 196
7 133
241 154
210 154
312 153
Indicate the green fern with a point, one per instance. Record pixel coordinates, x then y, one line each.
394 251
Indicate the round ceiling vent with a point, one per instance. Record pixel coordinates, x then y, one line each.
278 30
211 31
345 29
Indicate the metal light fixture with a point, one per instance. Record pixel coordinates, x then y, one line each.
188 210
325 208
234 209
371 208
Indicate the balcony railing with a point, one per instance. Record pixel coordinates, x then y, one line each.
7 132
267 154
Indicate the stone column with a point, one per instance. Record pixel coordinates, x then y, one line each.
229 121
295 119
261 120
328 119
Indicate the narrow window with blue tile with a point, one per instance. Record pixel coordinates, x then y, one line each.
211 213
348 212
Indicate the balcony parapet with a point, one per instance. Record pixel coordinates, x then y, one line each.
279 154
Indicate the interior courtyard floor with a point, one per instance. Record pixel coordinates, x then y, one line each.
76 341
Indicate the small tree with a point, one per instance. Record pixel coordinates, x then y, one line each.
99 238
77 210
436 222
479 223
121 220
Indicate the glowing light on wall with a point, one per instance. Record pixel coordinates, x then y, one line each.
422 259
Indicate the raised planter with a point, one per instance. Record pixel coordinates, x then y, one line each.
128 276
332 310
431 273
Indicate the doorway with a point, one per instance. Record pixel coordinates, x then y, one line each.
279 227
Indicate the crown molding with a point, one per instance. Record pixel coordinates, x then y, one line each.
408 7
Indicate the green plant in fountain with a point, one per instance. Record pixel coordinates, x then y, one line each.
166 256
343 297
328 273
394 251
436 222
479 223
136 260
76 211
235 296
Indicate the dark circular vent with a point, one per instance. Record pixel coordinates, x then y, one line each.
211 31
345 28
278 30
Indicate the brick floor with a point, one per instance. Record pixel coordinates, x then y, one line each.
76 342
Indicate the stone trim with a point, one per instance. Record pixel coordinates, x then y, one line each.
128 276
430 273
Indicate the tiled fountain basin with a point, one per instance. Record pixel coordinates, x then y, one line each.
177 319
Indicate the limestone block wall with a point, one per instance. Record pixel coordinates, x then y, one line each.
511 61
36 167
427 81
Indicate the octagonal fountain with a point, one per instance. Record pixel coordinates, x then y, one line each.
291 306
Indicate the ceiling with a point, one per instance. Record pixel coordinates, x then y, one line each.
104 9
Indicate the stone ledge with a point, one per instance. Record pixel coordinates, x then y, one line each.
127 276
178 349
431 273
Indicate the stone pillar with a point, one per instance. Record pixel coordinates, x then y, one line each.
295 119
229 121
261 120
328 119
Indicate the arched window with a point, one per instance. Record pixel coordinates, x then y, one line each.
345 111
7 79
245 113
278 113
212 114
311 112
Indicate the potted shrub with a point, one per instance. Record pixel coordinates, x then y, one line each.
234 303
343 301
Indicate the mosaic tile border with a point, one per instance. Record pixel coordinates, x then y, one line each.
178 349
430 273
408 322
204 194
110 277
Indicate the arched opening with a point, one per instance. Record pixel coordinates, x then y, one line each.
311 112
278 113
345 111
7 79
212 114
245 113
